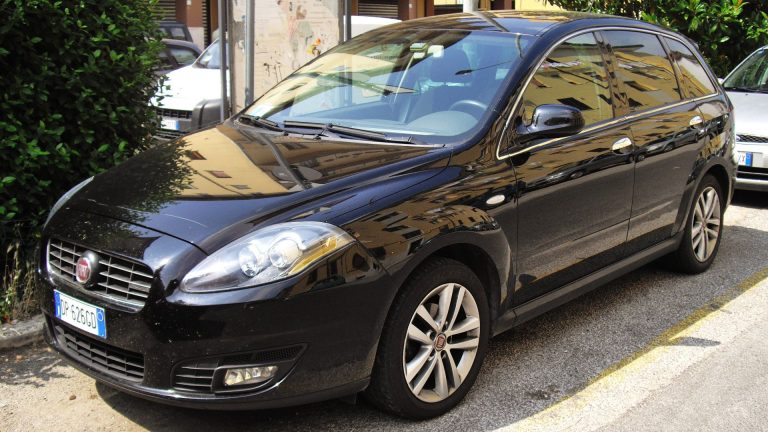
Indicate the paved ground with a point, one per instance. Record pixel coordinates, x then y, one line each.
651 351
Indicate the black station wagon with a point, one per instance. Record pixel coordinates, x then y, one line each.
370 222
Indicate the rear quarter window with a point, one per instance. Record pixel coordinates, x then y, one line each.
643 69
694 78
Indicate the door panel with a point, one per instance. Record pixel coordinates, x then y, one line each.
573 210
574 194
666 152
666 143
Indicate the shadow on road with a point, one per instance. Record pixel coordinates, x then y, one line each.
527 369
35 371
751 199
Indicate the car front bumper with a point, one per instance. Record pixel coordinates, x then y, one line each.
755 175
320 328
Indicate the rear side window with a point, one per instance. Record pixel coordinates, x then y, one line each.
694 79
573 74
643 69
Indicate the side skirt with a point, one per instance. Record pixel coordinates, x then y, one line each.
529 310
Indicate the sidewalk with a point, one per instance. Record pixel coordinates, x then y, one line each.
708 373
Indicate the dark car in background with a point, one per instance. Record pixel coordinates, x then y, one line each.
370 222
175 30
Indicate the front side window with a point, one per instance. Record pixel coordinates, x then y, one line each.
426 84
211 57
643 69
695 80
750 76
573 74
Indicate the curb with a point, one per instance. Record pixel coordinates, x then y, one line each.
21 333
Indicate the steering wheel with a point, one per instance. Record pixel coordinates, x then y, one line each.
471 106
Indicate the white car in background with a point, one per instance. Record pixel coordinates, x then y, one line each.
747 87
191 96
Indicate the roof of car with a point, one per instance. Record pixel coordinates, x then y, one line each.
522 22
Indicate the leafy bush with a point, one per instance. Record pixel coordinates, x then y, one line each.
726 30
76 78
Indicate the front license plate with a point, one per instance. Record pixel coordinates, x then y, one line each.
171 124
80 314
745 159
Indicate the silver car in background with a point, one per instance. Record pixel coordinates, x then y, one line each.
747 87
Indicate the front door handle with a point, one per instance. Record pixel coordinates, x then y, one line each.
695 121
621 144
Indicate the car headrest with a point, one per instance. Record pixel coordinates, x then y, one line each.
452 67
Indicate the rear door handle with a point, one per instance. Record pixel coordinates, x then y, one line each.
621 144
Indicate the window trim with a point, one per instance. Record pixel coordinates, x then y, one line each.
606 57
595 126
675 72
679 70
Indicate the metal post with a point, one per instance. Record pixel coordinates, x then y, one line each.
250 23
223 57
470 5
347 20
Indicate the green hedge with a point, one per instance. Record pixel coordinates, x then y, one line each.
726 30
76 77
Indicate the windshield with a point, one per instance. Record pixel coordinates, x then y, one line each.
210 58
752 75
424 84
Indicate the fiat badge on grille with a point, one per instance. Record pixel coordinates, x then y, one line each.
85 267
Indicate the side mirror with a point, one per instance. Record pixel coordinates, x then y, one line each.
553 121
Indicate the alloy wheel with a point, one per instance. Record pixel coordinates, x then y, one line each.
441 342
705 224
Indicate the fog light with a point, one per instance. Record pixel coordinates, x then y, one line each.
249 375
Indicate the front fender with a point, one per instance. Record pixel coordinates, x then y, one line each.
401 238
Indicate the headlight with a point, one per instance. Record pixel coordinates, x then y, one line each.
269 254
64 198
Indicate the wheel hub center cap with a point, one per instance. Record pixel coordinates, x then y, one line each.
440 342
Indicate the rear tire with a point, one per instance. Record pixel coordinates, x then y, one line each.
703 230
433 342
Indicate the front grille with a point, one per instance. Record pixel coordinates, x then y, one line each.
116 278
100 356
197 375
181 114
168 134
752 173
751 138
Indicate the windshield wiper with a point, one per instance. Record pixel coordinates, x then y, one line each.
260 122
745 89
349 131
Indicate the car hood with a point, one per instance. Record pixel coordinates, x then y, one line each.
749 112
211 187
186 87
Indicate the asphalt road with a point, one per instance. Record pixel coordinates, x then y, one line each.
653 350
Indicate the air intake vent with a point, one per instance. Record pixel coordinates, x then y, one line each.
751 139
100 356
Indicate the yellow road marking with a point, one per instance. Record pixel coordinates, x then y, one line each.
631 380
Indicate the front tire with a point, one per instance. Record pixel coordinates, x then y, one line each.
433 342
703 230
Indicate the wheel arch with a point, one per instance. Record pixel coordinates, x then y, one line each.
487 254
